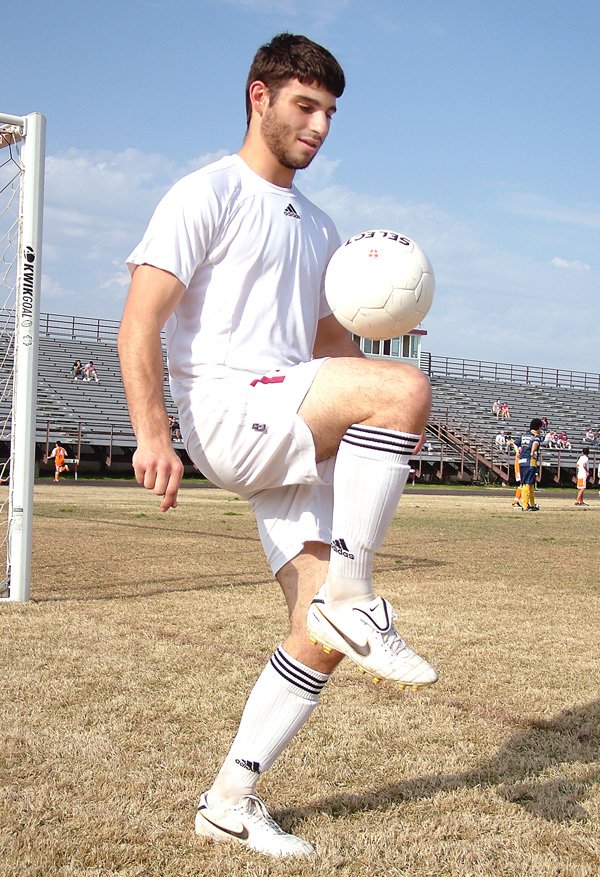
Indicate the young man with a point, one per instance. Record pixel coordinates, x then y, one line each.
277 404
59 455
529 463
583 470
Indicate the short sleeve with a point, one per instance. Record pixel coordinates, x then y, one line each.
179 233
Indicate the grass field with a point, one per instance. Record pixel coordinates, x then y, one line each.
124 678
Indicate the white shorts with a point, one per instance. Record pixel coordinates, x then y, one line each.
246 436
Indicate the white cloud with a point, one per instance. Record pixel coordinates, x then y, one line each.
539 207
98 204
572 264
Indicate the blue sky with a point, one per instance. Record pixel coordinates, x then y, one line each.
472 126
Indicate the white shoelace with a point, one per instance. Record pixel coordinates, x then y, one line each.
393 640
257 812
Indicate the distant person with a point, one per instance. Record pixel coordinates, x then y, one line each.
529 465
516 449
174 428
77 370
59 455
90 372
496 408
504 411
583 471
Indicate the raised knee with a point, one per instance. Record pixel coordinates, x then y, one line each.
407 381
420 383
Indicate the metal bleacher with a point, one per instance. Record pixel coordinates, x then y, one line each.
463 394
90 418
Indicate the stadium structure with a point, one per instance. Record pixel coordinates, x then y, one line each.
92 420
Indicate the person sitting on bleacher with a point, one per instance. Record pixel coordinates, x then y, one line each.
563 441
77 370
90 372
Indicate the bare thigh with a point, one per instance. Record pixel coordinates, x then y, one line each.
349 390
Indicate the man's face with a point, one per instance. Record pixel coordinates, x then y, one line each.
296 123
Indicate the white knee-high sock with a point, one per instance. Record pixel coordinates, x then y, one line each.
370 472
282 700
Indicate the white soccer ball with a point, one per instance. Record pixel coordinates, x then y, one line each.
379 284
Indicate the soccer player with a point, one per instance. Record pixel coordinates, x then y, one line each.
529 463
583 470
277 404
516 449
58 455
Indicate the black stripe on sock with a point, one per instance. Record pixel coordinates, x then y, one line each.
373 446
377 439
295 675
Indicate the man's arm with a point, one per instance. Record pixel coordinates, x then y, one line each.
333 340
153 295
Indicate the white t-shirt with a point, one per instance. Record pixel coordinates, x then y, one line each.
582 466
252 257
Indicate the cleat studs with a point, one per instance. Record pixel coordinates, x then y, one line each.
401 686
327 650
376 680
415 687
362 670
313 641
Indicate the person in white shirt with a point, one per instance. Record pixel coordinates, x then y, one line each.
583 468
277 404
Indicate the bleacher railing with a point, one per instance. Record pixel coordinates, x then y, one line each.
81 328
506 372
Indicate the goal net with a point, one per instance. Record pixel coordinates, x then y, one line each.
22 141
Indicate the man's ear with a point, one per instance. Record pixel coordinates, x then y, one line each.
259 96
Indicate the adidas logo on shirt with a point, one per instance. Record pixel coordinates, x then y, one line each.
290 210
339 545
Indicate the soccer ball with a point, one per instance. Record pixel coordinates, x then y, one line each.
379 284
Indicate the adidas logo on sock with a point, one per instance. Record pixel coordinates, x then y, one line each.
291 211
339 545
253 766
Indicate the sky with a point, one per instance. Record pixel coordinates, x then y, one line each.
472 126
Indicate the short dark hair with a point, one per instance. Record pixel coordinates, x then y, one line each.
536 423
292 56
585 451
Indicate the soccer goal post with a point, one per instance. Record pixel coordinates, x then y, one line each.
22 158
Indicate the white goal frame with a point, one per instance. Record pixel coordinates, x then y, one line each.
29 133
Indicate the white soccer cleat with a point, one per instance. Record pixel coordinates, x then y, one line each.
249 823
366 634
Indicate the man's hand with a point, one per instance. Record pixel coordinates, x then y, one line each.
159 469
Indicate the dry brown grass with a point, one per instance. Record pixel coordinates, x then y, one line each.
124 679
